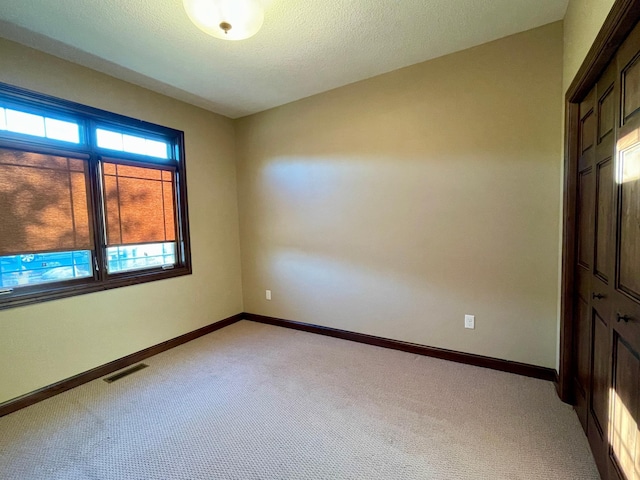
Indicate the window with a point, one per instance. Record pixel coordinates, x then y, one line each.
131 143
38 126
89 200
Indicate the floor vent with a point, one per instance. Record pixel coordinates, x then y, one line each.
124 373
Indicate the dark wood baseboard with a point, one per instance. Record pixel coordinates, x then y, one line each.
451 355
106 369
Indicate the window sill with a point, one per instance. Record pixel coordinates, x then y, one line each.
58 291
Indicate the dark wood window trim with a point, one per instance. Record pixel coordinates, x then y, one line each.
622 18
89 118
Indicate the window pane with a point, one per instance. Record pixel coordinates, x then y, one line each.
110 140
132 144
157 149
39 126
44 203
59 130
21 122
139 257
33 269
139 204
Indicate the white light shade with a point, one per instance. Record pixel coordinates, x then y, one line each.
241 18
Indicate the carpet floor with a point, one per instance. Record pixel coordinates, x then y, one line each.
253 401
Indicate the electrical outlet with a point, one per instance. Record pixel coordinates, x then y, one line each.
267 294
470 321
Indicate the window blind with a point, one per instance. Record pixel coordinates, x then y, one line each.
44 204
139 204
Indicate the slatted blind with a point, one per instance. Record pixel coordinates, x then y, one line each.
139 204
43 203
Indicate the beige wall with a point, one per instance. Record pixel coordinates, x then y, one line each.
395 205
51 341
582 22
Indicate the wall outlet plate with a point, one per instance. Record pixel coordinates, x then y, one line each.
267 294
470 321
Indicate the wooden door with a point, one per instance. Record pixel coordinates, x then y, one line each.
595 266
606 335
584 256
624 437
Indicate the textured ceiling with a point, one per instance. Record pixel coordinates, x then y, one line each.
304 47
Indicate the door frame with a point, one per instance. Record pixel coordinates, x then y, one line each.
622 18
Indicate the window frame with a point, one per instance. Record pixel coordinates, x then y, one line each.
89 119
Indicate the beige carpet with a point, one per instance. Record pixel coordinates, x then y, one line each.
254 401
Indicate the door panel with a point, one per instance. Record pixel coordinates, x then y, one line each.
629 256
631 86
599 398
587 134
604 220
606 112
600 374
586 199
582 359
625 439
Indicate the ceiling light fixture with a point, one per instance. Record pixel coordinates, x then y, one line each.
226 19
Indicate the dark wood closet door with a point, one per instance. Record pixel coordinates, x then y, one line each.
595 262
584 255
606 334
624 436
603 271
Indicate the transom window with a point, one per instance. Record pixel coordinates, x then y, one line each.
18 121
89 200
131 143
